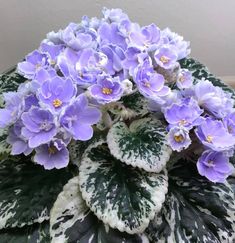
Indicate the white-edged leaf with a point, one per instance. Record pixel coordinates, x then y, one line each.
143 144
72 221
196 210
120 195
27 191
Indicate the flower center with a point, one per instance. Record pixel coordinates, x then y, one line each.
182 78
209 139
164 59
210 163
107 91
147 84
57 103
52 150
182 122
38 65
178 138
52 62
45 126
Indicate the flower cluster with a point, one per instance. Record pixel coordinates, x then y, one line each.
77 71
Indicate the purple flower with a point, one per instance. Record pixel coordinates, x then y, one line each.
44 74
115 56
165 57
186 114
133 57
178 138
150 83
214 135
79 38
51 51
33 62
78 119
39 126
213 99
13 109
17 141
146 38
57 92
214 166
52 155
177 42
110 34
114 15
229 122
185 80
106 90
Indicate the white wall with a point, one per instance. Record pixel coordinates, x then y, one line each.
208 24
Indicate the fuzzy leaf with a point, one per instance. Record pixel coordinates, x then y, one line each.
72 221
121 196
200 71
36 233
143 144
135 102
27 191
196 210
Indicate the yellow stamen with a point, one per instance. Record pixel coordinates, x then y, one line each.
52 62
57 103
183 122
209 139
107 91
181 78
178 138
38 66
164 59
147 84
52 150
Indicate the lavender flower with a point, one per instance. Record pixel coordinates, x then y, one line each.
106 90
186 114
17 141
146 38
114 15
185 79
13 108
214 135
177 42
57 92
39 126
213 99
165 57
214 166
178 138
150 83
33 62
229 122
78 118
52 155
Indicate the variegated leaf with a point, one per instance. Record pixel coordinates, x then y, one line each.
195 210
36 233
9 81
72 221
143 144
121 196
4 146
200 71
135 102
77 148
27 191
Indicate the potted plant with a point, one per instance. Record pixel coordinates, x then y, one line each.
111 133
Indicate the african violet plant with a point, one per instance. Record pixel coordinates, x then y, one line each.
110 133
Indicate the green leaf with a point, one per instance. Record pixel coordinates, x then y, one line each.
135 102
4 146
200 71
196 210
143 144
121 196
28 234
27 191
72 221
9 81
